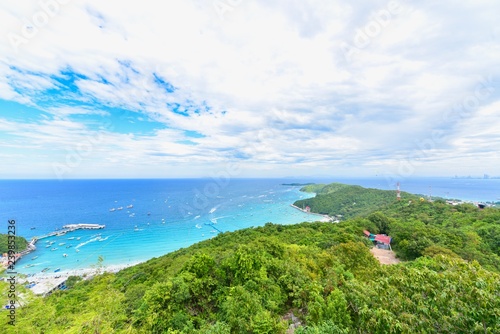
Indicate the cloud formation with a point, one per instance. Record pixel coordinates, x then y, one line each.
186 88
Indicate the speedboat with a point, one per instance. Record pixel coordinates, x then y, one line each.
34 257
130 206
57 270
112 209
53 249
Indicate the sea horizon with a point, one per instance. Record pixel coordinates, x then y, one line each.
169 214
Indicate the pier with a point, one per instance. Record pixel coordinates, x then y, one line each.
66 228
70 228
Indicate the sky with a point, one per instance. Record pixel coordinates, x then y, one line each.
249 88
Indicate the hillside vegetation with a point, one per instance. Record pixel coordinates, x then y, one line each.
348 201
20 243
319 274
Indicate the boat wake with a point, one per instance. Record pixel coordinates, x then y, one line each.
88 241
214 220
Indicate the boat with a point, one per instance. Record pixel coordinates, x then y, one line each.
53 249
60 234
34 257
47 246
45 269
78 238
65 255
62 244
69 246
130 206
136 229
120 208
33 228
57 270
77 250
71 238
112 210
28 265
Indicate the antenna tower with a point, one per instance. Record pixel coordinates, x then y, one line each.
398 193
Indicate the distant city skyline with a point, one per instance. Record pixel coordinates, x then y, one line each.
122 89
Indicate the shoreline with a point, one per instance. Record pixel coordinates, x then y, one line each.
326 218
45 283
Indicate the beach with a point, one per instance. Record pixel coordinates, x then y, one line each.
46 282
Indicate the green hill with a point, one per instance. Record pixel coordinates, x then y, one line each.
20 243
266 279
348 201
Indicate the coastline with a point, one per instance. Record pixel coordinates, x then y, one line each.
325 218
47 282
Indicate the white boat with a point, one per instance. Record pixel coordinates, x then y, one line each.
112 210
62 244
120 208
65 255
71 238
130 206
53 249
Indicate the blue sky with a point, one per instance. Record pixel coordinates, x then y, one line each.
249 88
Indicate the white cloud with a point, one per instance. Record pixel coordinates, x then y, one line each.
281 93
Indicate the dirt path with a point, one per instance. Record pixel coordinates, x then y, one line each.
384 256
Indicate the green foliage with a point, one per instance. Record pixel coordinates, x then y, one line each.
349 201
20 243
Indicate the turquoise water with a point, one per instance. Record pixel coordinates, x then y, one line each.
166 215
169 214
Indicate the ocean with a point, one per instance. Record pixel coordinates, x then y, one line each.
148 218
